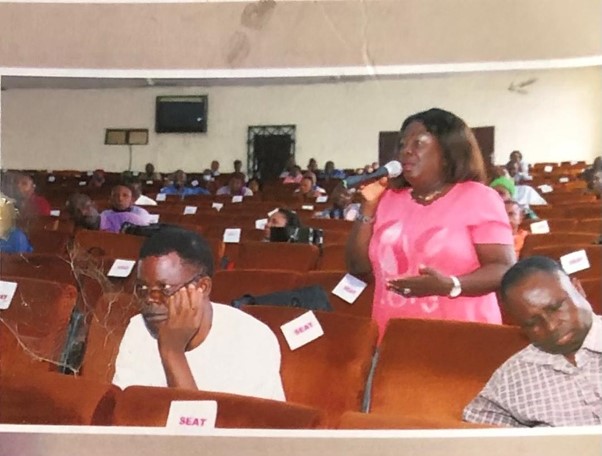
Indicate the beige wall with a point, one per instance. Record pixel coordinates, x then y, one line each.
284 34
558 119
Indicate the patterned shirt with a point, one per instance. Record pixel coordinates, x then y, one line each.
535 388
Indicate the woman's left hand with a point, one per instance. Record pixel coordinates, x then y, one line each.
430 282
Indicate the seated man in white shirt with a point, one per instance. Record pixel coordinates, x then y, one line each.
557 380
181 339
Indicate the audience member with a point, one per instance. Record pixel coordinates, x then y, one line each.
342 205
138 197
98 179
254 185
83 211
28 202
238 167
294 176
312 166
522 172
597 184
179 187
307 188
122 210
557 380
439 245
149 173
282 218
181 339
235 187
330 172
12 239
515 217
214 168
505 187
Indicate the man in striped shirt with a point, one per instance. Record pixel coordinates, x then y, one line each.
557 380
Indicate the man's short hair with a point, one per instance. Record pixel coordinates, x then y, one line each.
525 268
189 246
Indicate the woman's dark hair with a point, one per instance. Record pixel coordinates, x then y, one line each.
461 153
292 219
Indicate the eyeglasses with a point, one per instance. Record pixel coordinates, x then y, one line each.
143 291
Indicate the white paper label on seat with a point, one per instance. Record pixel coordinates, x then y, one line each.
574 261
548 168
322 199
217 206
272 212
55 213
351 215
89 173
307 207
51 178
302 330
232 235
190 210
349 288
261 223
545 188
160 197
563 180
197 416
237 199
121 268
82 183
540 227
149 182
7 291
153 218
573 162
195 183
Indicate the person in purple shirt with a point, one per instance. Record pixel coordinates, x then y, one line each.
122 210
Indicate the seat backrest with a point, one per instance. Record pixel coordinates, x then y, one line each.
37 266
34 327
593 292
559 237
433 368
362 307
107 325
332 258
103 243
329 373
277 255
54 399
44 241
229 285
594 255
149 406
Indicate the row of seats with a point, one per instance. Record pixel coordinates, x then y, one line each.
426 372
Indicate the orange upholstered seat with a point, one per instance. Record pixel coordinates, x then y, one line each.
149 406
594 254
57 399
277 255
432 368
229 285
533 241
358 420
102 243
33 329
332 258
329 373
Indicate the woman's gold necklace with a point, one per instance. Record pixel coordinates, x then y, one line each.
428 197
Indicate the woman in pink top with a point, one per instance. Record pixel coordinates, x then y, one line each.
438 242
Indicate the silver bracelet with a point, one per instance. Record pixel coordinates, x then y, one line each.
364 218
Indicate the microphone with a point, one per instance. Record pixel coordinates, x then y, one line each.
391 169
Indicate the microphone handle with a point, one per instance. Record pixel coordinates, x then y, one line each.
354 181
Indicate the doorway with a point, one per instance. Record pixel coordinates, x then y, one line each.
269 148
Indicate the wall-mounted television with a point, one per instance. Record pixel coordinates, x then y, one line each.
181 114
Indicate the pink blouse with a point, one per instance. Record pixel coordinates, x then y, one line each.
441 235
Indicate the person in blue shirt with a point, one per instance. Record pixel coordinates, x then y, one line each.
12 239
179 186
330 172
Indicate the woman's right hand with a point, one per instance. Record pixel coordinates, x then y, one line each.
373 192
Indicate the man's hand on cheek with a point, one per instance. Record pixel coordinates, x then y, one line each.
185 315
